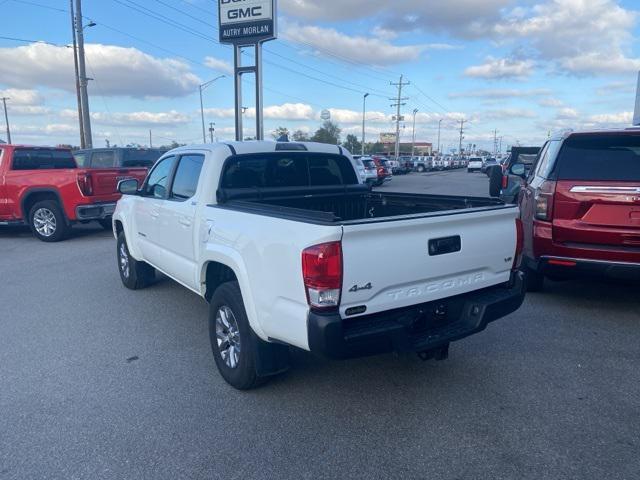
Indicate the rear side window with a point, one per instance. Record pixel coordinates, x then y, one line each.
287 169
81 159
614 158
104 159
42 159
141 158
187 175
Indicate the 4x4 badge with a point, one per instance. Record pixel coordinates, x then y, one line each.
356 288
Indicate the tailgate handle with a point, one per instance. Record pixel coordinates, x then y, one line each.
441 246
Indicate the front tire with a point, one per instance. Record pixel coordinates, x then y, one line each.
421 169
133 273
233 343
47 221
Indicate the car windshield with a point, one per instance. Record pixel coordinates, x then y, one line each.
613 158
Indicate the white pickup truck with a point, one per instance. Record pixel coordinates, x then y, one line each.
291 250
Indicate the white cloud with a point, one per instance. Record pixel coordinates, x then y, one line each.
219 65
117 70
616 88
580 36
141 118
18 96
551 102
499 68
507 114
285 111
567 113
371 50
611 119
497 93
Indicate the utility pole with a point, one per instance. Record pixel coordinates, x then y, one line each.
461 136
211 130
150 139
399 103
364 112
495 142
6 118
413 141
82 72
439 125
75 64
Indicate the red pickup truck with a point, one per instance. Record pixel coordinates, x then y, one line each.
580 207
44 188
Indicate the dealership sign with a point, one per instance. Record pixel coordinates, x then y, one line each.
387 138
247 22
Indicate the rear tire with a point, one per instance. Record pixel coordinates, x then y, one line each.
421 169
133 273
233 343
533 280
47 221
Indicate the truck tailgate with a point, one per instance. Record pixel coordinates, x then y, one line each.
393 264
105 180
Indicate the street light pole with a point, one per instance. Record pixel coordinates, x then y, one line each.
439 124
364 111
82 72
413 144
201 88
6 119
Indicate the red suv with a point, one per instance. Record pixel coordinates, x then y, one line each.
580 207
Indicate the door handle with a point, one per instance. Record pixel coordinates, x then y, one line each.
154 214
185 222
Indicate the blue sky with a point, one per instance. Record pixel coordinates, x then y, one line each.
523 67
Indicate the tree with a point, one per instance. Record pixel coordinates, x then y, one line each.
279 132
352 144
300 136
371 148
328 133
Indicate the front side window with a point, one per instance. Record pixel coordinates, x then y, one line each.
159 177
185 182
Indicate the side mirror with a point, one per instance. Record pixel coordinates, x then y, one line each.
128 187
518 169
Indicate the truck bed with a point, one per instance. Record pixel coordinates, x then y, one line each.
348 204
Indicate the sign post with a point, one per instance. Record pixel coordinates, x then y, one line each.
247 23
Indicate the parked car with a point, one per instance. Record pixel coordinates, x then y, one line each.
370 170
488 164
474 165
423 164
42 187
580 207
119 157
278 238
383 170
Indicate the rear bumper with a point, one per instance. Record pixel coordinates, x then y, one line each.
417 328
568 267
95 211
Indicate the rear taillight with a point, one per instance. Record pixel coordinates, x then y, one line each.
519 244
85 184
322 273
544 200
380 171
505 182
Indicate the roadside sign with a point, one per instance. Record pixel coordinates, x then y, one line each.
325 115
247 22
387 138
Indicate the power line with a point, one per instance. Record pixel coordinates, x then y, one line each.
35 4
24 40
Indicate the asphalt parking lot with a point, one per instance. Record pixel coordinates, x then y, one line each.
97 381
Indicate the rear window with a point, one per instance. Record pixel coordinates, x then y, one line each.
42 159
286 169
369 164
141 158
614 158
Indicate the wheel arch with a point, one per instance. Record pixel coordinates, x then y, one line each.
35 195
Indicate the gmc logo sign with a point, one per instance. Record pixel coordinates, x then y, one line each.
249 12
